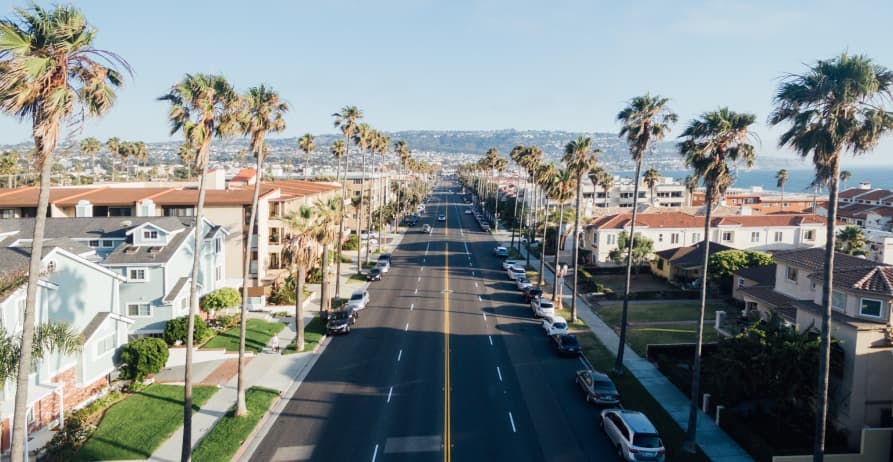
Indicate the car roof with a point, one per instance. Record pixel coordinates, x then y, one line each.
558 319
358 292
637 421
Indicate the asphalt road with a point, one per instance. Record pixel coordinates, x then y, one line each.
391 390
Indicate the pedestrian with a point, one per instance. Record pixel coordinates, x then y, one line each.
274 343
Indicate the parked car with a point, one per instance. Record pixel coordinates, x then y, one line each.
339 321
485 228
501 251
522 282
566 344
542 308
554 325
374 274
598 387
441 217
468 211
427 228
385 257
634 436
514 272
532 293
360 298
507 263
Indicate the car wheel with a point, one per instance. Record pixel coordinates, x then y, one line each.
620 452
347 329
589 399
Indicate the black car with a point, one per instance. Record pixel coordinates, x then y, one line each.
532 292
567 344
374 274
340 321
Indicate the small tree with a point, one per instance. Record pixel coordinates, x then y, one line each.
643 250
851 241
722 266
176 329
143 357
220 299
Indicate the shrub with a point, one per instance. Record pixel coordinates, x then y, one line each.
143 357
176 329
352 243
225 322
220 299
284 293
77 429
315 276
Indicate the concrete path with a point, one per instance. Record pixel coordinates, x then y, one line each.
715 443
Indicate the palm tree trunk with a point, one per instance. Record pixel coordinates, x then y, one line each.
557 254
532 234
323 289
19 430
690 433
543 244
576 247
515 219
241 407
618 364
186 452
360 212
821 407
340 242
606 196
299 307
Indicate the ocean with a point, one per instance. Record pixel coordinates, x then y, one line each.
798 180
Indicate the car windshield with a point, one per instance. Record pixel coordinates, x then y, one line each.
559 325
375 271
523 280
645 440
357 296
569 340
339 315
544 304
605 386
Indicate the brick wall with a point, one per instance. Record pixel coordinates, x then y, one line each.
75 395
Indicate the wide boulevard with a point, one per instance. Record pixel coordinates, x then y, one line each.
446 363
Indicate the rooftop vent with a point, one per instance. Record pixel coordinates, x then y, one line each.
154 250
131 250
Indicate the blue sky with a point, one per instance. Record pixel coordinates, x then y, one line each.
472 64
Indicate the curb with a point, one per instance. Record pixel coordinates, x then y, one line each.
260 424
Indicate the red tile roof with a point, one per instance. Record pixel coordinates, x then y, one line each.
683 220
245 175
875 195
849 193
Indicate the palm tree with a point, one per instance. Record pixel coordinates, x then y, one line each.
327 217
51 74
646 119
580 160
851 241
546 176
691 183
606 181
347 121
90 146
114 146
781 178
9 166
186 153
299 253
844 176
305 143
837 106
531 160
363 138
262 111
650 179
709 145
201 107
562 190
384 143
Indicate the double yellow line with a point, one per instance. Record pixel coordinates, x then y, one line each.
447 443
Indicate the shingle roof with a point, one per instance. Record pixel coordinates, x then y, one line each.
762 275
94 324
88 227
683 220
836 316
813 259
849 193
854 210
128 254
878 279
175 290
781 303
875 195
691 255
246 174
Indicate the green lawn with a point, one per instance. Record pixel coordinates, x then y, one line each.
638 337
257 336
138 425
357 277
681 310
313 334
634 396
224 439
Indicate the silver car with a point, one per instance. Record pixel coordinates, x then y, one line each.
633 435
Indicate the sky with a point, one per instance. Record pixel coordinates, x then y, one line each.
476 64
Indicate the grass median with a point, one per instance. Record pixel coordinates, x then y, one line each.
135 427
222 442
257 335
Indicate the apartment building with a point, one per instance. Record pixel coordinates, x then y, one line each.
761 201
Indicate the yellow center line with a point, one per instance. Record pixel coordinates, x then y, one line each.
447 450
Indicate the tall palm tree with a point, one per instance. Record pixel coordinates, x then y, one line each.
691 183
652 176
113 145
262 111
9 166
299 253
305 143
546 176
710 144
532 159
646 119
347 121
187 152
327 213
606 181
51 74
561 190
202 107
837 106
845 175
516 155
364 139
580 160
384 143
90 146
781 178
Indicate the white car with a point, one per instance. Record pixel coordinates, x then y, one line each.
554 325
523 282
542 307
360 298
634 436
441 217
507 263
383 265
515 272
468 211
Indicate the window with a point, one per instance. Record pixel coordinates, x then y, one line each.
93 244
184 212
611 239
7 213
728 236
137 274
105 345
218 245
218 273
755 236
740 282
108 244
838 300
139 310
660 264
695 237
660 237
119 212
184 303
779 236
150 235
870 307
809 235
791 274
674 238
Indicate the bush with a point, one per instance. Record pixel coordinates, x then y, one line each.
220 299
315 276
284 294
77 429
352 243
176 329
143 357
227 321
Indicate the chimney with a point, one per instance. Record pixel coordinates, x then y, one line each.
217 179
864 185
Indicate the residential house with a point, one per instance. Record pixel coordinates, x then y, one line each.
754 276
81 293
862 389
683 264
761 201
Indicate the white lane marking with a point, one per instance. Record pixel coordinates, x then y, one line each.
399 355
472 273
426 249
511 419
411 307
479 297
485 315
466 248
421 268
475 285
490 339
416 291
375 453
469 263
391 391
406 328
499 373
420 278
424 260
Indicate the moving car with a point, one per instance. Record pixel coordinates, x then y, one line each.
468 211
633 435
598 387
340 320
441 217
427 228
485 228
360 298
523 283
385 257
554 325
412 221
501 251
383 265
374 274
567 344
514 272
542 308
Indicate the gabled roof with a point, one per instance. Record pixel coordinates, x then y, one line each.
853 210
875 195
813 259
850 193
88 227
691 255
877 279
245 175
175 290
762 275
127 253
784 305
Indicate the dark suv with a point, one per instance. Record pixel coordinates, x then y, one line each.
340 321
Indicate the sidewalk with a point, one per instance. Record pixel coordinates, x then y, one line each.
715 443
281 372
